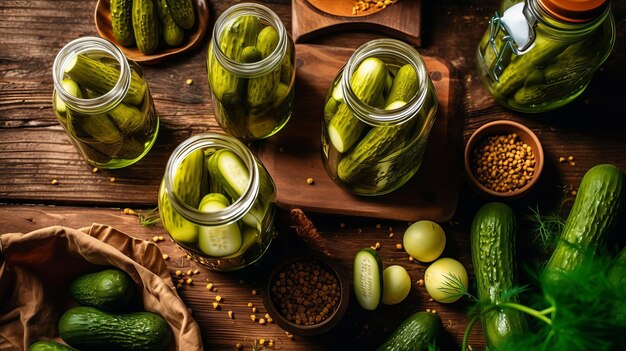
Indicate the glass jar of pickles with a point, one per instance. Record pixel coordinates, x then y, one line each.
538 55
103 102
217 202
378 114
250 65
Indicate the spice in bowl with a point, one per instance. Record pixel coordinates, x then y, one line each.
503 163
306 293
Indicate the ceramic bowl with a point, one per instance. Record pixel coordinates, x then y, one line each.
314 329
193 36
503 127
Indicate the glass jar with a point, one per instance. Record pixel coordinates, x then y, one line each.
378 114
217 202
103 102
250 65
541 54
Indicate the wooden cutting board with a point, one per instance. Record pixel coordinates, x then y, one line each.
294 154
313 18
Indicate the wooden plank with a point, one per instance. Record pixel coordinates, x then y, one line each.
316 18
220 332
294 154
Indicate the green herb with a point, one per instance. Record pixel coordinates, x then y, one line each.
149 218
454 288
580 312
546 228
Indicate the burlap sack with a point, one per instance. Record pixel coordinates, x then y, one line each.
36 270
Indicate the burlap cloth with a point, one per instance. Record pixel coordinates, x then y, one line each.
36 270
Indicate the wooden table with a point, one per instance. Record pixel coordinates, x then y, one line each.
34 150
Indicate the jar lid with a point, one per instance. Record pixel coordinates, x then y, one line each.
574 10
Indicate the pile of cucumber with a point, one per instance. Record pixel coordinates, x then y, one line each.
106 318
209 181
145 23
251 107
550 72
370 159
123 132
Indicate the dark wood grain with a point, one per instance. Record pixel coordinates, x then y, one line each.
294 155
34 150
315 18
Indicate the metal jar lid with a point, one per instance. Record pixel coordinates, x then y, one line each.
575 11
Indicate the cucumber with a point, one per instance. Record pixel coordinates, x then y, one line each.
99 76
250 54
186 185
330 108
182 12
493 256
380 140
262 90
267 41
49 346
286 68
368 278
242 32
249 237
97 127
172 33
367 83
127 118
73 89
122 21
218 241
109 290
416 333
89 328
617 277
145 26
595 210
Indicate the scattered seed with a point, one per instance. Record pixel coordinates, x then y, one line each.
428 310
216 305
262 321
420 282
262 341
166 257
378 226
253 317
218 298
95 170
391 235
189 81
54 182
377 245
112 179
179 286
189 272
238 346
411 258
574 192
398 246
270 343
433 311
570 158
250 304
310 181
189 281
181 281
254 292
230 314
179 273
572 163
253 309
194 272
209 286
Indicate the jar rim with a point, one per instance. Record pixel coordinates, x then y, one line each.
100 103
377 116
251 69
240 206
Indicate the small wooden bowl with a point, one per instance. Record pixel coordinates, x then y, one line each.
193 36
503 127
342 8
328 323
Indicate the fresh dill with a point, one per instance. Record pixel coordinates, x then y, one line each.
454 288
546 228
149 218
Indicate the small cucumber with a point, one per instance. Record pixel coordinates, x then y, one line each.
218 241
145 26
99 76
250 236
127 118
416 333
404 85
96 127
73 89
172 33
250 54
122 21
267 41
49 346
186 185
182 12
344 129
109 290
368 278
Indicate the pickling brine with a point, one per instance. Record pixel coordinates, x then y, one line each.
103 102
216 201
250 65
538 55
378 114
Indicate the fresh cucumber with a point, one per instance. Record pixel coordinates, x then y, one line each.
595 210
403 87
493 256
122 21
110 290
182 12
99 76
368 278
145 25
172 33
73 89
218 241
49 346
416 333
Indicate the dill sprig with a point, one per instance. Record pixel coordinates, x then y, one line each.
149 218
454 288
546 229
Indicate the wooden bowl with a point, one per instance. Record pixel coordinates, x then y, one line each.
307 330
503 127
193 36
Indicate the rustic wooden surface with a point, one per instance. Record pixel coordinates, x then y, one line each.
315 18
34 150
294 154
